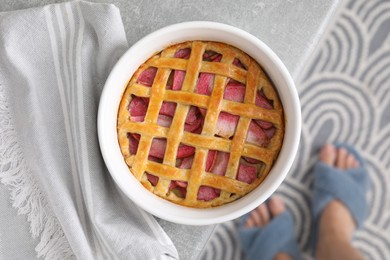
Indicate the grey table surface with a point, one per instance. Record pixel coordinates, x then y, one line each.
291 28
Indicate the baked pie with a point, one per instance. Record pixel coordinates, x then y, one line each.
200 124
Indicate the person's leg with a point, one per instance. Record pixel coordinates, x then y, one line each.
262 215
336 223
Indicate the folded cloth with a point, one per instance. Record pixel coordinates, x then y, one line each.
276 237
348 186
54 61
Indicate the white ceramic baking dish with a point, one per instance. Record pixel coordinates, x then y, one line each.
139 53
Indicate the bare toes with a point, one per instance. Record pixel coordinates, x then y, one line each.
276 206
328 154
341 160
249 222
351 161
264 214
255 218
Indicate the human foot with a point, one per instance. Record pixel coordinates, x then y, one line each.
263 214
336 224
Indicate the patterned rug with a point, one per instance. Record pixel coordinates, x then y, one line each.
345 96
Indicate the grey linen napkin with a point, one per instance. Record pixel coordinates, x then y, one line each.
54 61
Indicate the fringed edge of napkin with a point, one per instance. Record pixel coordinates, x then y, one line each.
25 193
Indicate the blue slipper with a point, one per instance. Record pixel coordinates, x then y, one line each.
347 186
265 242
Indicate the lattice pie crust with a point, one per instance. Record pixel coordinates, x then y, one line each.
200 124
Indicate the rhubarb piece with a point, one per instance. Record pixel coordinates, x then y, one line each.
226 125
167 109
208 54
180 191
207 193
204 84
179 75
210 159
205 81
182 184
246 173
220 163
238 63
152 178
194 126
264 124
216 58
137 118
234 91
256 135
270 132
164 121
183 53
186 163
193 115
147 76
157 148
251 160
212 56
262 101
137 107
133 144
178 78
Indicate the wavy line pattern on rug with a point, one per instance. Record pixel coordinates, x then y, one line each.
345 97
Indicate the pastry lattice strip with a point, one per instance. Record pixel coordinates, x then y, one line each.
196 176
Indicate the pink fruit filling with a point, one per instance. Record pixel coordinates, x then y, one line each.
260 132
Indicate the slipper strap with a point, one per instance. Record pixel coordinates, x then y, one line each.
276 237
349 187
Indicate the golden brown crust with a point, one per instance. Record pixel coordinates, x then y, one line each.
254 78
